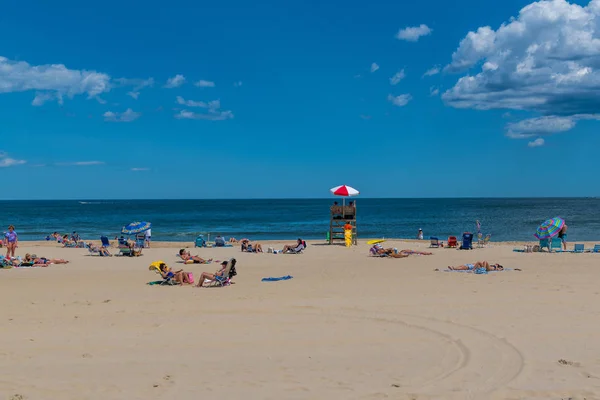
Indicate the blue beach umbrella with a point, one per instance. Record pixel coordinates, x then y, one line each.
549 228
136 227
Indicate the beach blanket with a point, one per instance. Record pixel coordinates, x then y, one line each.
275 279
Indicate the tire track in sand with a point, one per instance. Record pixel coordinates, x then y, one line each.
483 362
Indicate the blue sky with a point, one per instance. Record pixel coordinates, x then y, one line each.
287 99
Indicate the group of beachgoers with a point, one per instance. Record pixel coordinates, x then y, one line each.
11 242
181 277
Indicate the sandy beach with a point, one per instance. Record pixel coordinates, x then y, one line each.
347 326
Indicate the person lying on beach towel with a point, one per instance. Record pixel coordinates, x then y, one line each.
249 247
477 265
180 276
42 261
187 257
378 249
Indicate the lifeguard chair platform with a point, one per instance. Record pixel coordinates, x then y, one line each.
340 215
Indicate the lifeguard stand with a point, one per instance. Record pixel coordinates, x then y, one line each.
340 215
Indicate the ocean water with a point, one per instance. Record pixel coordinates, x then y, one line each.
183 220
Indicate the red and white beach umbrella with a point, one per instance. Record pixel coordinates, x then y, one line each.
344 191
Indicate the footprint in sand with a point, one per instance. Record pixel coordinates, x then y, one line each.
86 355
17 397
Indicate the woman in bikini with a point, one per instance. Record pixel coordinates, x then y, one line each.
477 265
212 277
43 261
186 256
180 276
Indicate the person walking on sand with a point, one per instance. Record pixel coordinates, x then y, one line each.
348 234
562 235
148 237
11 241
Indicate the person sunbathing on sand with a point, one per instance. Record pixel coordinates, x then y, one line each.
43 261
186 256
377 248
103 251
298 247
249 247
180 276
477 265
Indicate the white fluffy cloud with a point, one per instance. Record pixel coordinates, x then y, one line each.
412 34
374 67
211 105
210 116
137 84
400 100
51 81
546 61
6 161
203 83
80 163
536 143
175 81
432 71
126 116
398 76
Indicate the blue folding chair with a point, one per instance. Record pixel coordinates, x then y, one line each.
579 248
596 248
105 242
556 245
435 242
467 241
544 243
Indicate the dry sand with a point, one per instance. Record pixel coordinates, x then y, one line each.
347 326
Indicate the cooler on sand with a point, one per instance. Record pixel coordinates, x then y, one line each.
467 241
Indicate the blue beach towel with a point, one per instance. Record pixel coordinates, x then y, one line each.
272 279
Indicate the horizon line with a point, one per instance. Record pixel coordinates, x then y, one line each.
353 198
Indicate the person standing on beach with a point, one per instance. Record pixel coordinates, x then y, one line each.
562 235
11 241
148 237
420 234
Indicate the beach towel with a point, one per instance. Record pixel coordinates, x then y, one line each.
273 279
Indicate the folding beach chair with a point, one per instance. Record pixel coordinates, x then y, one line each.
596 249
105 241
452 241
200 242
155 266
487 240
544 243
228 274
435 242
479 239
298 249
579 248
467 241
556 245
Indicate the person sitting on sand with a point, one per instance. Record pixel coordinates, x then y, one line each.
186 256
232 240
296 248
42 261
249 247
103 251
180 276
211 277
477 265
